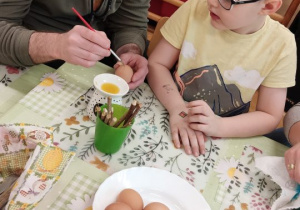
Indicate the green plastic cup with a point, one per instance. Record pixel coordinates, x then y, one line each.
109 139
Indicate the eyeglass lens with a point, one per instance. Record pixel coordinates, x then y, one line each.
226 4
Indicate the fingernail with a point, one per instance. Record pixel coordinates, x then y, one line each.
196 154
189 152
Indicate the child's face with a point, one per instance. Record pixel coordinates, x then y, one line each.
243 18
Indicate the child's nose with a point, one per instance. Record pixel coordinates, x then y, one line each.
213 3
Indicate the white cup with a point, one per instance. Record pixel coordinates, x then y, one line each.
101 93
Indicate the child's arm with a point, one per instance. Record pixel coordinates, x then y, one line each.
269 111
161 82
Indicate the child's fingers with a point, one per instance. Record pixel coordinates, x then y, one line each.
199 118
195 103
194 143
185 141
201 141
175 138
200 110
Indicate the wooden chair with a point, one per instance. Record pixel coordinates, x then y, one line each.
287 17
157 17
156 35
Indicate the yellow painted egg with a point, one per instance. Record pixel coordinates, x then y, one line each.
156 206
132 198
124 71
118 206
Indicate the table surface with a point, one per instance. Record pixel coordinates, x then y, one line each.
225 175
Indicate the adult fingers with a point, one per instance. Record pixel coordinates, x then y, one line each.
97 37
195 103
290 163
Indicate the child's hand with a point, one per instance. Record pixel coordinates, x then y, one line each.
202 118
192 141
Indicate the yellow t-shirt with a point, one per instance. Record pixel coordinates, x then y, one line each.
225 68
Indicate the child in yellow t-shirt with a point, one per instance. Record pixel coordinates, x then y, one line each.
220 53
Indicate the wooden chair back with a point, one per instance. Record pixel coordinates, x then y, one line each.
287 17
156 37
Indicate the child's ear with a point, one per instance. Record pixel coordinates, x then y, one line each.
271 6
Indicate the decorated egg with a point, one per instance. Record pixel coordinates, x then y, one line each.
132 198
124 71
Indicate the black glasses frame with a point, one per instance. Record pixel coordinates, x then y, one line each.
232 2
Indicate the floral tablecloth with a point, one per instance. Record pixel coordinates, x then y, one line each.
149 142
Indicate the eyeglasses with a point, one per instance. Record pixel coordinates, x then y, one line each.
227 4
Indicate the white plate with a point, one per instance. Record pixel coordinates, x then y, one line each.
153 185
114 79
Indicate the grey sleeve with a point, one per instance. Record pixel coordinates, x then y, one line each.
129 24
291 117
14 38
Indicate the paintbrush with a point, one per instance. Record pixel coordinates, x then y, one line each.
90 27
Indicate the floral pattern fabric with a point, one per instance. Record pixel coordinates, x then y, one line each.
245 187
8 74
148 143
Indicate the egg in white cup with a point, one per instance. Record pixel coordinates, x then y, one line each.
106 85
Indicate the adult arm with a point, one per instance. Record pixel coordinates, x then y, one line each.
128 26
22 47
128 29
14 38
291 124
79 46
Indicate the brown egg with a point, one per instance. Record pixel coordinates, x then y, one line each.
124 71
118 206
156 206
132 198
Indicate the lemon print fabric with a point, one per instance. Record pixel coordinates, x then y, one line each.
42 171
50 82
51 161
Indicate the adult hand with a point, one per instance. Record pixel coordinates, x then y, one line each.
203 119
192 141
292 162
139 65
81 46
